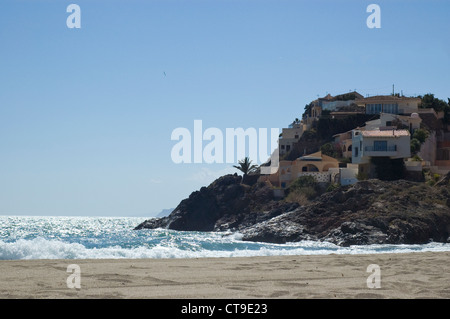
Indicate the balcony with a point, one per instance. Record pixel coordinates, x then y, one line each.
381 148
380 151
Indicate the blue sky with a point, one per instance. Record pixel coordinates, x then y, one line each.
86 115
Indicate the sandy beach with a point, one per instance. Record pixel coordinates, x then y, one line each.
410 275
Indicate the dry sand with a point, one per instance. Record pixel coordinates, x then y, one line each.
409 275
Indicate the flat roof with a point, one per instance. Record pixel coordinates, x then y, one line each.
310 158
387 98
386 133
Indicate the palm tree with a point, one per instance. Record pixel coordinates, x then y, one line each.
246 167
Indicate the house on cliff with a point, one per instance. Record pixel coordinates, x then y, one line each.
386 122
436 150
317 165
289 136
329 103
369 144
389 104
385 138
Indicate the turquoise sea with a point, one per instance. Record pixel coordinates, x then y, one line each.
50 237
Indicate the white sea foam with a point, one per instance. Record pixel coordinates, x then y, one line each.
40 248
99 238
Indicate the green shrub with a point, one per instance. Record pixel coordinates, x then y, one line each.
421 135
332 187
309 135
297 197
330 150
304 185
415 145
303 181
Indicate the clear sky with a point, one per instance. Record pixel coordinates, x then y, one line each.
86 115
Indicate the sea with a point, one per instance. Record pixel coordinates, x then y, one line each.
64 237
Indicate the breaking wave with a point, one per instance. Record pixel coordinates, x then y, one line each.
114 237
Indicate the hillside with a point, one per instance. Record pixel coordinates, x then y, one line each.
369 212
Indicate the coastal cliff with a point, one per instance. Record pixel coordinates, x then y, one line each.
226 204
368 212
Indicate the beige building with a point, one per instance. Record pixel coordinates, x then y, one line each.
389 104
316 164
316 112
344 142
289 136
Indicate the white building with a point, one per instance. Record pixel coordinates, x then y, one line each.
377 143
390 121
345 175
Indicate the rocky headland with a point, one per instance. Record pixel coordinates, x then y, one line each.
368 212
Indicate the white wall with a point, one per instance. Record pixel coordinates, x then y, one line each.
324 177
356 144
401 142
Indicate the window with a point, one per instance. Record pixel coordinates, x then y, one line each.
375 108
288 148
390 108
380 146
356 152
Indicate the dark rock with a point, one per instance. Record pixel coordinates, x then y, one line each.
356 233
368 212
277 231
250 179
226 204
444 181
